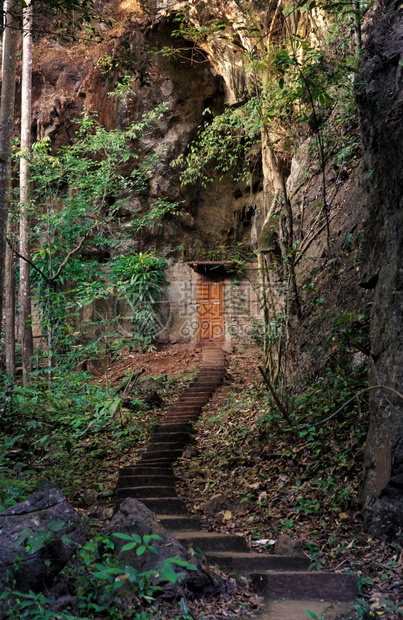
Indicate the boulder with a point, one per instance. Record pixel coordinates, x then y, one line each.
133 517
215 504
219 503
285 545
37 539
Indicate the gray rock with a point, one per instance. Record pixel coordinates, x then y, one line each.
285 545
215 504
381 112
90 497
35 531
218 503
133 517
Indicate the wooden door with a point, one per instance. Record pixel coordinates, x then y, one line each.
211 310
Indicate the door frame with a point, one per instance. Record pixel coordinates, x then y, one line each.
210 309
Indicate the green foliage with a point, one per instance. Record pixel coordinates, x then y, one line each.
312 614
71 19
196 32
79 191
55 429
368 611
328 445
101 586
307 78
79 200
223 145
135 280
135 541
295 81
67 429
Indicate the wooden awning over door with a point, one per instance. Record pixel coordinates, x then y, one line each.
212 268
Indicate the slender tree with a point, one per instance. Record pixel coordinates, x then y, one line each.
26 105
9 62
9 307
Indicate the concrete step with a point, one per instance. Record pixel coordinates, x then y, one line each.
206 374
182 412
166 455
199 389
146 492
206 384
214 373
213 541
151 464
145 481
186 408
187 405
166 506
196 395
205 379
306 585
161 437
195 404
192 400
157 461
165 427
142 470
183 417
154 446
245 562
291 609
179 524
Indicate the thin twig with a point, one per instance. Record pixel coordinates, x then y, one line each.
278 402
50 279
27 260
69 255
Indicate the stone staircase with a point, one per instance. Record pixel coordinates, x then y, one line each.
151 480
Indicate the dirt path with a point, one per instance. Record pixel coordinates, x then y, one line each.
166 360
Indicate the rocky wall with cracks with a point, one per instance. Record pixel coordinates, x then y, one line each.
380 99
70 78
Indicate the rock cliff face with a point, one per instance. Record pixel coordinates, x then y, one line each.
71 78
381 103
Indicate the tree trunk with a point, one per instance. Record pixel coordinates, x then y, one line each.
25 288
9 62
9 311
